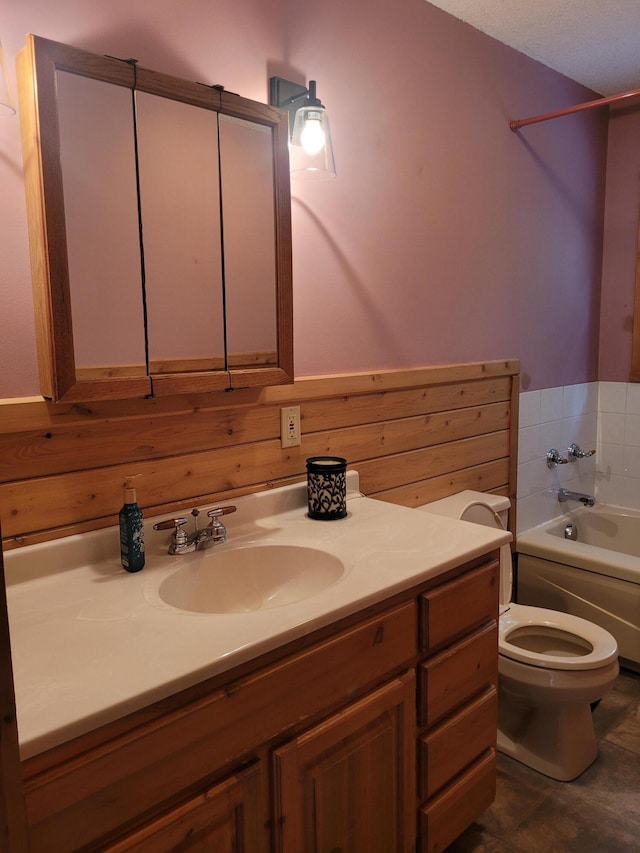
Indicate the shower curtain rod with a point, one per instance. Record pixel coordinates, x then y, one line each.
600 102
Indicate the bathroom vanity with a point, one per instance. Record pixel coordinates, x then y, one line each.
360 717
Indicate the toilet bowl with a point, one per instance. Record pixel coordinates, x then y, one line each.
552 666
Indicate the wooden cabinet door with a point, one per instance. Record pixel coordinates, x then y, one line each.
348 784
226 818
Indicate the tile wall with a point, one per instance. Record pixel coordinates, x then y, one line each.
554 418
601 415
618 468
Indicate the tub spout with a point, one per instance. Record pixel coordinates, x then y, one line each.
567 495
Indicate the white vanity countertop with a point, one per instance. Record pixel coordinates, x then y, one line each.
91 643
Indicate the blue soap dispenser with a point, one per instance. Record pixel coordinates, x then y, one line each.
131 530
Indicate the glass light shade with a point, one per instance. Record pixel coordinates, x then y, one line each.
6 101
311 152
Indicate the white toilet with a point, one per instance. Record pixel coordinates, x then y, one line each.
551 667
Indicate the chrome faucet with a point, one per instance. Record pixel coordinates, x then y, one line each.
567 495
183 542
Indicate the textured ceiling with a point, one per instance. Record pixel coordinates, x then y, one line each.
595 42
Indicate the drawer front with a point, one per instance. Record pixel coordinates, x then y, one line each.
452 746
457 607
227 816
450 679
450 813
110 785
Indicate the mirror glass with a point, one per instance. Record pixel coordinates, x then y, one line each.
246 153
180 210
97 157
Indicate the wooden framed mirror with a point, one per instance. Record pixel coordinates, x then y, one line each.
160 230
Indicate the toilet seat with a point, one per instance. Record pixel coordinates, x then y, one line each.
519 617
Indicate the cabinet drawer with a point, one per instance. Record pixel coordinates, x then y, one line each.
455 675
450 813
106 787
227 816
457 607
448 749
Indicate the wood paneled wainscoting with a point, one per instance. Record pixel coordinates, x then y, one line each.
414 435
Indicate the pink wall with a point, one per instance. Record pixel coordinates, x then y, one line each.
620 243
444 238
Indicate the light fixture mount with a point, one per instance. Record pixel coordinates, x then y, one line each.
310 148
289 96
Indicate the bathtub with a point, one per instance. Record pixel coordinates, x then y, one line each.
596 577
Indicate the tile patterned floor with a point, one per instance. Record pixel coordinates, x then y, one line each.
597 813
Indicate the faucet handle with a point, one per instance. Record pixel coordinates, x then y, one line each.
576 452
216 531
221 510
215 524
554 458
168 523
180 543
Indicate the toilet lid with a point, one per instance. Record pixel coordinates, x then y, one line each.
553 640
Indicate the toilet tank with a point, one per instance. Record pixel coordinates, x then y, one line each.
481 508
470 505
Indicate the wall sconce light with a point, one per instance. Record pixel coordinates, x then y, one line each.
310 149
6 102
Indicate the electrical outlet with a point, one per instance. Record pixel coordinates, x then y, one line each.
290 426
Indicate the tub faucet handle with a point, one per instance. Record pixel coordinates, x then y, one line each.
554 458
576 452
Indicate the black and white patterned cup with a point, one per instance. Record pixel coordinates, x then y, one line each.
327 487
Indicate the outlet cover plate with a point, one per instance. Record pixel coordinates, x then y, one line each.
290 426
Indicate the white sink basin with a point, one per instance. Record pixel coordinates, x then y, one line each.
253 577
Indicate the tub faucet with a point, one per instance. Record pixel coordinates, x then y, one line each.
566 495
